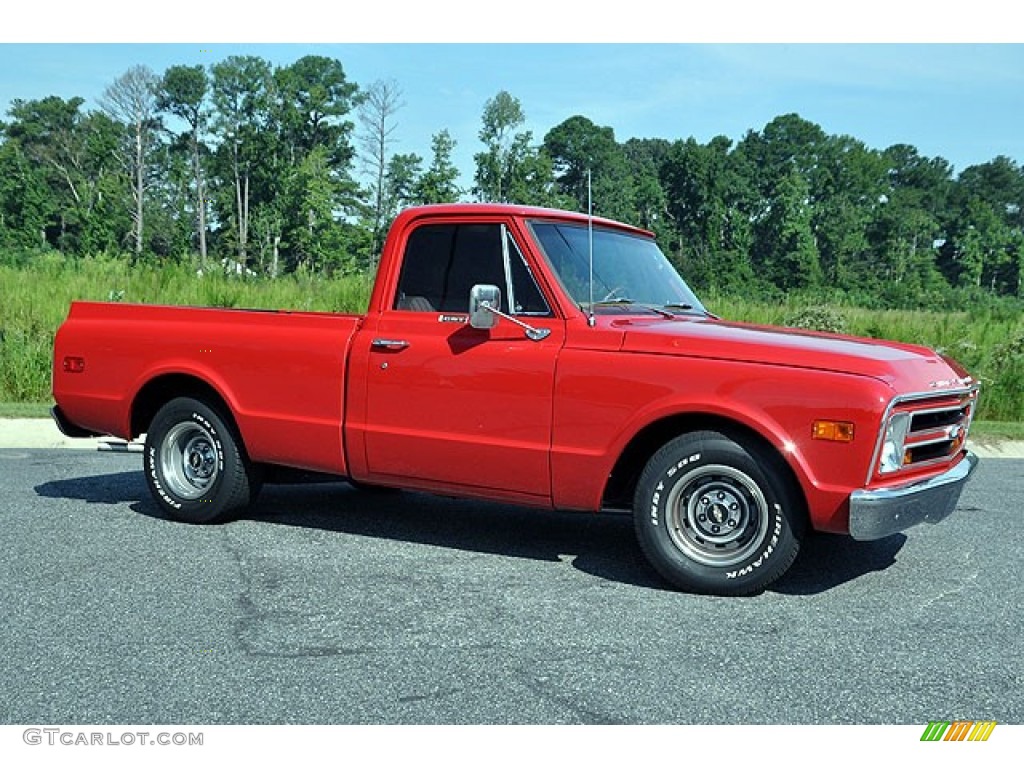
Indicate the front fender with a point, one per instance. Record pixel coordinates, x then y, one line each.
601 407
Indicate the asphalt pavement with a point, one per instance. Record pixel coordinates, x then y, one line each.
331 605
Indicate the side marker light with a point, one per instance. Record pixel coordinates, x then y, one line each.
833 431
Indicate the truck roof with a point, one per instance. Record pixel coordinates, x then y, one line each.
510 209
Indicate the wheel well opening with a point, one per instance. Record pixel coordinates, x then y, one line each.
621 485
158 392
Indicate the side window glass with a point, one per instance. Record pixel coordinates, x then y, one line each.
526 298
421 283
476 260
442 262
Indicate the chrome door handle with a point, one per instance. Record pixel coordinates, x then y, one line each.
390 344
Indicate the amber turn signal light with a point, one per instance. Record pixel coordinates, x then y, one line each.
835 431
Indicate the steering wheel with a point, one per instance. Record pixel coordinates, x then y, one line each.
614 293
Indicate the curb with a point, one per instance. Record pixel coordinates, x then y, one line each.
997 449
43 433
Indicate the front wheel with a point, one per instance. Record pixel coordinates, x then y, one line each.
195 464
715 516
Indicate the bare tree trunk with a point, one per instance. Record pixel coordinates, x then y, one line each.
140 186
383 100
238 208
131 100
243 229
200 198
242 207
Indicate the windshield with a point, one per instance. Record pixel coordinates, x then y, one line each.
630 271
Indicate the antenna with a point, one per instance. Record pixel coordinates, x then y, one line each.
590 247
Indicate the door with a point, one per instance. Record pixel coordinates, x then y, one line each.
454 405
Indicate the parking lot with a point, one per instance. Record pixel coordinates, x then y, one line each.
331 605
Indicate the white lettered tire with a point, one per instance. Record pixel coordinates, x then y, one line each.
195 464
717 516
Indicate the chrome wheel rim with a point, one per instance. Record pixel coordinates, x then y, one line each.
189 462
717 515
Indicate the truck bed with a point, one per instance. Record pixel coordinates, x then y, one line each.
281 374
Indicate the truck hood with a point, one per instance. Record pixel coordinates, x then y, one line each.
904 367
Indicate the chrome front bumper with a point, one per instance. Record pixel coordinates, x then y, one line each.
880 513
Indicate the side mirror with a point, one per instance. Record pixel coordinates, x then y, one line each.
485 309
483 301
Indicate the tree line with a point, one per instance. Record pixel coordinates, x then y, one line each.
273 169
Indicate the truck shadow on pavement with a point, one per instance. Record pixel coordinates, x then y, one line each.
827 561
601 545
117 488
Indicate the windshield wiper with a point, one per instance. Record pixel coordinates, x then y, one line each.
630 303
684 308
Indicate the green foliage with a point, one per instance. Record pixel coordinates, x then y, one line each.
440 182
249 171
402 179
253 162
786 247
38 292
1005 374
982 333
817 318
1010 352
62 182
512 169
986 335
589 166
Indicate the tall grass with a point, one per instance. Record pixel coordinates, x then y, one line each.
34 300
988 342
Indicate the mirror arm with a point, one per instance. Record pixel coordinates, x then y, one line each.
533 334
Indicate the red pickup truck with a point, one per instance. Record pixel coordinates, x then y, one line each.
544 358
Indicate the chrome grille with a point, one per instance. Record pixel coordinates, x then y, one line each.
937 419
937 433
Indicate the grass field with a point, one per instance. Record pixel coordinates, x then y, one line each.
34 301
989 343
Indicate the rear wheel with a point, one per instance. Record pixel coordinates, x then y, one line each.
195 463
716 516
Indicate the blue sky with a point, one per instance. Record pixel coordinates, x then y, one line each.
963 101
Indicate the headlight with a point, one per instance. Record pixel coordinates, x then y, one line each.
892 446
